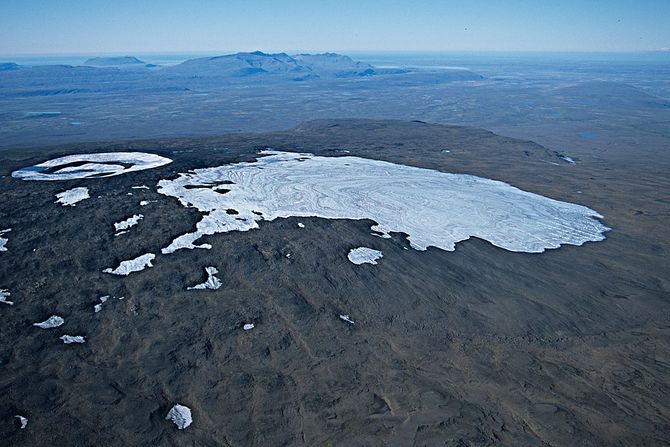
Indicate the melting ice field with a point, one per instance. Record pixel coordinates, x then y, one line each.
91 165
434 208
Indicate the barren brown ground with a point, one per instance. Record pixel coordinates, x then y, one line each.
474 347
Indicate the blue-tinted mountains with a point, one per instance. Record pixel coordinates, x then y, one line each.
238 67
299 67
114 61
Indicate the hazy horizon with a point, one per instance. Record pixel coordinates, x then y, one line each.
375 58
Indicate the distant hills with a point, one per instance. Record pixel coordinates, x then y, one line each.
298 67
6 66
245 65
113 61
335 63
128 73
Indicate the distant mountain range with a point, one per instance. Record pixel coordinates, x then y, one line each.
6 66
113 61
122 75
298 67
256 64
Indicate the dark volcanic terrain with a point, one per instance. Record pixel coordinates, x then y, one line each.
475 347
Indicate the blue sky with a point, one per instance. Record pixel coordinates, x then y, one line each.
122 26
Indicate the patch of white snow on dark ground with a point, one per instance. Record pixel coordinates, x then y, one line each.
98 307
4 294
180 415
72 196
212 281
132 265
94 165
22 420
3 240
129 222
435 209
69 339
364 255
51 322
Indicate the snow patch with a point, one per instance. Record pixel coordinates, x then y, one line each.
140 187
98 307
3 240
434 208
146 202
69 339
248 326
132 265
22 420
91 165
383 235
51 322
180 415
301 225
72 196
129 222
346 318
4 294
212 282
364 255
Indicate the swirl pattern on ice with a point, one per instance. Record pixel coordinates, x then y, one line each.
434 208
80 166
